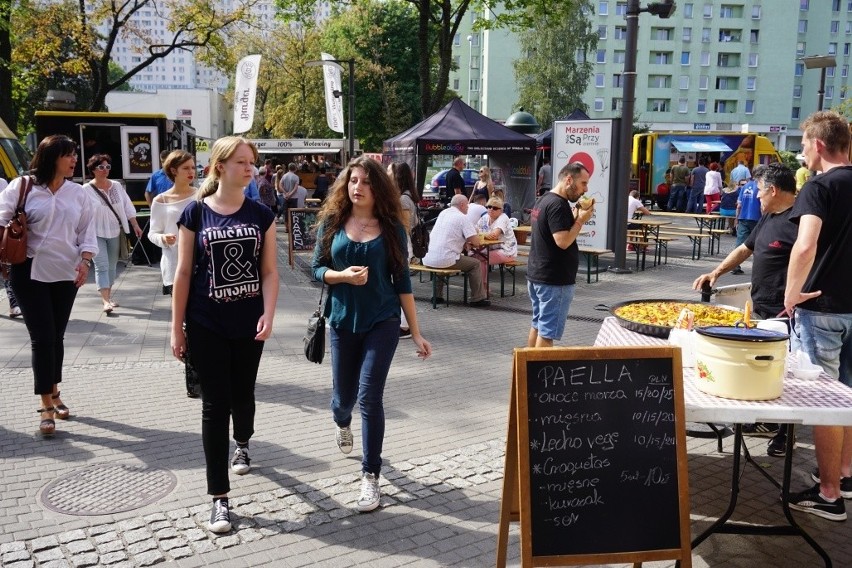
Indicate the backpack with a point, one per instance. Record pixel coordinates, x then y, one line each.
419 237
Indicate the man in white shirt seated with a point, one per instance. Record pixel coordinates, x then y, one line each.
476 209
452 233
634 205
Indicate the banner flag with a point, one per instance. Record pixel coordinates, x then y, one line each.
244 92
333 105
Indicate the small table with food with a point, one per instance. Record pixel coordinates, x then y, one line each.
814 401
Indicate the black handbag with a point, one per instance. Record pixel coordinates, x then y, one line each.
315 336
419 237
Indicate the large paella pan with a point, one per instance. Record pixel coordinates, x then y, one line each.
658 317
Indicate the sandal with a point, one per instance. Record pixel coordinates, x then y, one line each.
62 411
108 309
113 303
47 426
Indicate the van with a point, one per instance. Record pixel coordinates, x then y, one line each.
14 158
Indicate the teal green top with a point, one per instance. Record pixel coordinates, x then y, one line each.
359 308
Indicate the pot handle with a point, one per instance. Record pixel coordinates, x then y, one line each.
602 308
762 360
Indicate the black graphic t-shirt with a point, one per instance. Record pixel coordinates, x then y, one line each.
225 293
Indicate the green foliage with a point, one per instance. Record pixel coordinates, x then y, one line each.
551 79
789 159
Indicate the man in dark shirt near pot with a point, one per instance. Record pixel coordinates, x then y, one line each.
771 242
455 181
554 254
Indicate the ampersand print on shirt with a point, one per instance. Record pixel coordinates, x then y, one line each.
234 267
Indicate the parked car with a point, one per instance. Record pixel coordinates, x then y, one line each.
438 185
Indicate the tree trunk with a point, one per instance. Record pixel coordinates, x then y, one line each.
424 69
7 107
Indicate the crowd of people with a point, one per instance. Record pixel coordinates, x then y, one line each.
220 266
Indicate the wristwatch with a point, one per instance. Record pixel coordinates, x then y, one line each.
87 261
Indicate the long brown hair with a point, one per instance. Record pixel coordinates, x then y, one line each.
49 150
404 179
337 208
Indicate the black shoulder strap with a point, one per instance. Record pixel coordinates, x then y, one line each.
102 196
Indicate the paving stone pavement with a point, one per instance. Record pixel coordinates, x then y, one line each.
444 446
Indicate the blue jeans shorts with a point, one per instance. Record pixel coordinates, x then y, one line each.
550 305
827 339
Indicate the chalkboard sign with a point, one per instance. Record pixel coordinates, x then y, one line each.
300 229
601 447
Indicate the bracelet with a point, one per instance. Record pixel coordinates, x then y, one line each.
87 261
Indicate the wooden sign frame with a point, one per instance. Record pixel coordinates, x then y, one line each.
291 250
515 503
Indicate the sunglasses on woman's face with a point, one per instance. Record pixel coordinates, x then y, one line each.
493 207
103 167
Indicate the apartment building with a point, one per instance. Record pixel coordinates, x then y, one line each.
715 65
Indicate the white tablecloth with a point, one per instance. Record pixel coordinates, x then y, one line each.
823 401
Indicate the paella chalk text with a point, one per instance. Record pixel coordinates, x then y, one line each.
601 444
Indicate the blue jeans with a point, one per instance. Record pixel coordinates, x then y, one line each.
695 203
744 229
550 305
360 363
105 261
678 198
827 339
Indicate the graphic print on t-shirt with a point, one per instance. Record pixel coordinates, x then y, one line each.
233 261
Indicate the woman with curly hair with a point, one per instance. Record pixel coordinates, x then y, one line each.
361 255
484 186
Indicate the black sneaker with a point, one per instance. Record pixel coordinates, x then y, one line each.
845 483
762 429
438 300
811 501
220 517
240 463
737 271
777 446
404 333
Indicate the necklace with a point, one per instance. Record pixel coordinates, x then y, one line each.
367 225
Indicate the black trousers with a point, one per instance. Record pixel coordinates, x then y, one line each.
46 307
227 369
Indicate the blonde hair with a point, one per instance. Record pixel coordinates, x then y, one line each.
221 152
495 202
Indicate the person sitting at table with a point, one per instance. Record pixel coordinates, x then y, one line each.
634 205
495 225
452 234
728 206
476 208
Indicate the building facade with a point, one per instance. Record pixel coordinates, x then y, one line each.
715 65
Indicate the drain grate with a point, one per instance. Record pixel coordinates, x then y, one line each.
105 489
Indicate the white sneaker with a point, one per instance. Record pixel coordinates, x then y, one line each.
240 463
220 517
370 494
14 312
344 439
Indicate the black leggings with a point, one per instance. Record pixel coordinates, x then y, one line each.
227 370
46 307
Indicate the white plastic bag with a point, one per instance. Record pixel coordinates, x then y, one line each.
684 339
801 367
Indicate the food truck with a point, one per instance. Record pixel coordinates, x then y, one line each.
133 141
655 152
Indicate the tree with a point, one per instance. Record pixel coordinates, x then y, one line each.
7 107
552 78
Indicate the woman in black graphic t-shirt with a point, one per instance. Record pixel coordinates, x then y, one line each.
225 289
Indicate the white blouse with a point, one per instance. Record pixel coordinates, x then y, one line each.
106 225
509 247
164 217
59 228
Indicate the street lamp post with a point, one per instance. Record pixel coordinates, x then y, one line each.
351 64
469 66
821 62
664 10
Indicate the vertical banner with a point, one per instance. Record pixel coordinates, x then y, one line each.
244 92
588 142
333 105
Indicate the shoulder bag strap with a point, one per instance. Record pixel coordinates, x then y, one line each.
111 208
25 188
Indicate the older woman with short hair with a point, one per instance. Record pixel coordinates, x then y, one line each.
496 225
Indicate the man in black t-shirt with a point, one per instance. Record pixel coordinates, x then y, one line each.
554 254
771 242
455 181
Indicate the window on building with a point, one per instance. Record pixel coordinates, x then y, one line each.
705 35
599 104
725 106
804 5
835 5
617 81
708 11
687 11
755 12
601 56
474 40
832 48
829 91
803 26
684 58
662 34
661 57
457 60
834 27
580 56
829 72
620 32
616 105
474 84
749 106
659 105
618 57
800 49
702 106
751 83
599 79
727 83
845 49
703 82
752 60
754 36
848 28
659 81
601 32
621 8
705 58
849 6
687 34
842 94
683 105
455 84
457 39
726 36
798 69
844 71
684 82
603 8
797 91
795 114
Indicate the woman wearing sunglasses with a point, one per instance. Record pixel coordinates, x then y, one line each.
495 225
113 212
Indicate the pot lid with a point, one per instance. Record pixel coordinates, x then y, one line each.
743 333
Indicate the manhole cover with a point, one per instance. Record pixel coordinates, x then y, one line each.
107 488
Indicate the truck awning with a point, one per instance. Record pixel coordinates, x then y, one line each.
700 146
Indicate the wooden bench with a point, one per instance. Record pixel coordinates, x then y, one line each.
694 236
442 274
508 266
592 256
716 239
